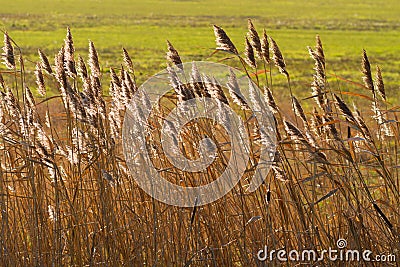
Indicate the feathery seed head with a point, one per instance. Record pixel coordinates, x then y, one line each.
173 56
2 83
82 70
269 98
249 54
254 39
344 109
298 110
60 71
114 78
380 86
366 70
319 50
223 41
40 80
278 58
45 64
94 60
215 89
69 61
196 82
128 61
234 91
30 99
8 55
265 47
293 132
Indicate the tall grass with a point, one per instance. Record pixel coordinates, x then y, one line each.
67 197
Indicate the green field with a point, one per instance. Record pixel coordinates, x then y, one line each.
74 147
346 27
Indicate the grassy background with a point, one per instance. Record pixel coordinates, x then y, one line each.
346 27
81 218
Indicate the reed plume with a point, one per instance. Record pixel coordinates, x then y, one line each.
319 66
173 56
2 83
196 82
60 71
114 78
69 50
94 60
223 41
40 80
269 98
128 61
380 86
45 64
362 125
278 58
254 39
366 70
344 109
215 89
298 110
265 47
183 91
82 70
293 132
8 55
319 50
234 91
249 54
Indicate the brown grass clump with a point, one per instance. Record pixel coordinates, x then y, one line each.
68 199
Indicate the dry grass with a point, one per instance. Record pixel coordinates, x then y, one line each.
67 198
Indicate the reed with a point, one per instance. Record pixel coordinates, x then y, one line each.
68 199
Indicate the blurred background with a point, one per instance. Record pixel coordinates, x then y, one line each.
142 27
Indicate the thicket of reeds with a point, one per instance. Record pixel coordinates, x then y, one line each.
67 197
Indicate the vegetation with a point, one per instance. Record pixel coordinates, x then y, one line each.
68 199
142 27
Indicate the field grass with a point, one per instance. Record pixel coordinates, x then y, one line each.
67 197
346 27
